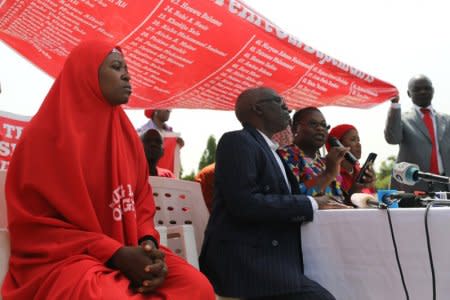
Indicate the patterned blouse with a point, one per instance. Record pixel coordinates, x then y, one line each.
306 170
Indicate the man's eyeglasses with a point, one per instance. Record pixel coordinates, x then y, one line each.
316 125
276 99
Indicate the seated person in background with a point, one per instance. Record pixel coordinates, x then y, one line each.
81 224
349 137
316 175
172 142
157 120
252 245
206 179
154 150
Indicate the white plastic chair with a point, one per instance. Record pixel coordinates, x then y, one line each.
4 254
4 235
180 207
162 230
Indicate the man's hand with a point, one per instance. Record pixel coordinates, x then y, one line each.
396 99
157 270
180 142
329 202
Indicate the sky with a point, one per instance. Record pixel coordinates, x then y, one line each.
391 40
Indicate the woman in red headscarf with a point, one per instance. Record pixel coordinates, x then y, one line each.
80 209
349 137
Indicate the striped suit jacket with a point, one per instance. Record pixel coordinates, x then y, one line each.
252 244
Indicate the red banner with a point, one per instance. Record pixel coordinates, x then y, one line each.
189 54
11 126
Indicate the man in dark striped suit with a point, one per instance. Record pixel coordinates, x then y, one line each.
252 246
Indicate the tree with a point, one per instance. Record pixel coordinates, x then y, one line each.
384 173
209 155
190 177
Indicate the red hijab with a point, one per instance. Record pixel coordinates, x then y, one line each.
149 113
338 132
77 183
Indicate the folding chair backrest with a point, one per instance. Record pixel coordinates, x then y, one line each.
3 215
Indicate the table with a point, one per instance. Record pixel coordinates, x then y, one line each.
351 253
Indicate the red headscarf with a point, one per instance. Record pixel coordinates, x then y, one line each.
149 113
77 183
338 132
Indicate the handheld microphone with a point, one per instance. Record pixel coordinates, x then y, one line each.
334 142
362 200
409 174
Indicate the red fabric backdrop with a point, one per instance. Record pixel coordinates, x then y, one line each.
189 54
11 128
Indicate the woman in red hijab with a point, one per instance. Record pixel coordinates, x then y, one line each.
80 209
349 137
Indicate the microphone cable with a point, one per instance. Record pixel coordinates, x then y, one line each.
430 255
427 235
396 254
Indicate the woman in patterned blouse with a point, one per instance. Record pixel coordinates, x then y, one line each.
316 175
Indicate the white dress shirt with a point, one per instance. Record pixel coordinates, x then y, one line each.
273 147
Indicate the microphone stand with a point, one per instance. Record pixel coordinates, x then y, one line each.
432 199
424 200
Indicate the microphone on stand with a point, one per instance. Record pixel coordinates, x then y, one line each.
363 200
334 142
416 199
409 174
404 199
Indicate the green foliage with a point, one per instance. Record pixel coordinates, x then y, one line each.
209 155
384 173
189 177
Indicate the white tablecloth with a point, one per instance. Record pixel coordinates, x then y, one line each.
350 252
